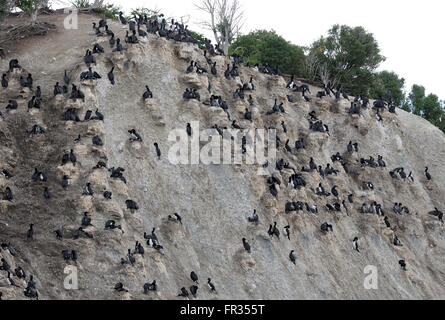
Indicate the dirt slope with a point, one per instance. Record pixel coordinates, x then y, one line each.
214 200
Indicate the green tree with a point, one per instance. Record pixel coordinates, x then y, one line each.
416 99
31 7
441 120
263 46
5 8
150 13
201 39
432 109
428 107
111 11
81 4
350 55
384 81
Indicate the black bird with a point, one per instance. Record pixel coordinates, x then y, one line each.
292 257
191 67
132 25
184 292
57 89
139 249
325 227
107 31
74 255
12 105
112 41
211 285
402 264
119 46
22 82
246 245
355 244
234 125
98 116
286 230
10 281
131 205
88 190
98 48
213 69
283 126
66 79
175 218
427 174
287 147
153 235
100 164
20 273
248 115
97 30
131 258
134 135
6 174
8 194
385 219
111 76
59 235
31 282
29 81
397 242
150 286
97 141
437 213
10 248
334 191
122 19
273 190
275 231
194 277
119 287
89 75
4 81
5 265
73 158
46 194
30 233
194 290
107 194
78 232
350 198
86 221
227 72
14 64
158 151
141 33
250 100
189 129
147 94
65 182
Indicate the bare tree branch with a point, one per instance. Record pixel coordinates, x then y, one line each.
98 3
226 20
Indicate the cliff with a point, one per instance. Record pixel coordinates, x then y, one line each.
214 201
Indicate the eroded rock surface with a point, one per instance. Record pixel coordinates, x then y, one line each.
213 200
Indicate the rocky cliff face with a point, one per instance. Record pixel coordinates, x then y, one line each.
213 200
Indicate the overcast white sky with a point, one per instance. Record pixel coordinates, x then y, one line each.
411 33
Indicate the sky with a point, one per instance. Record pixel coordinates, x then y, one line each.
410 33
